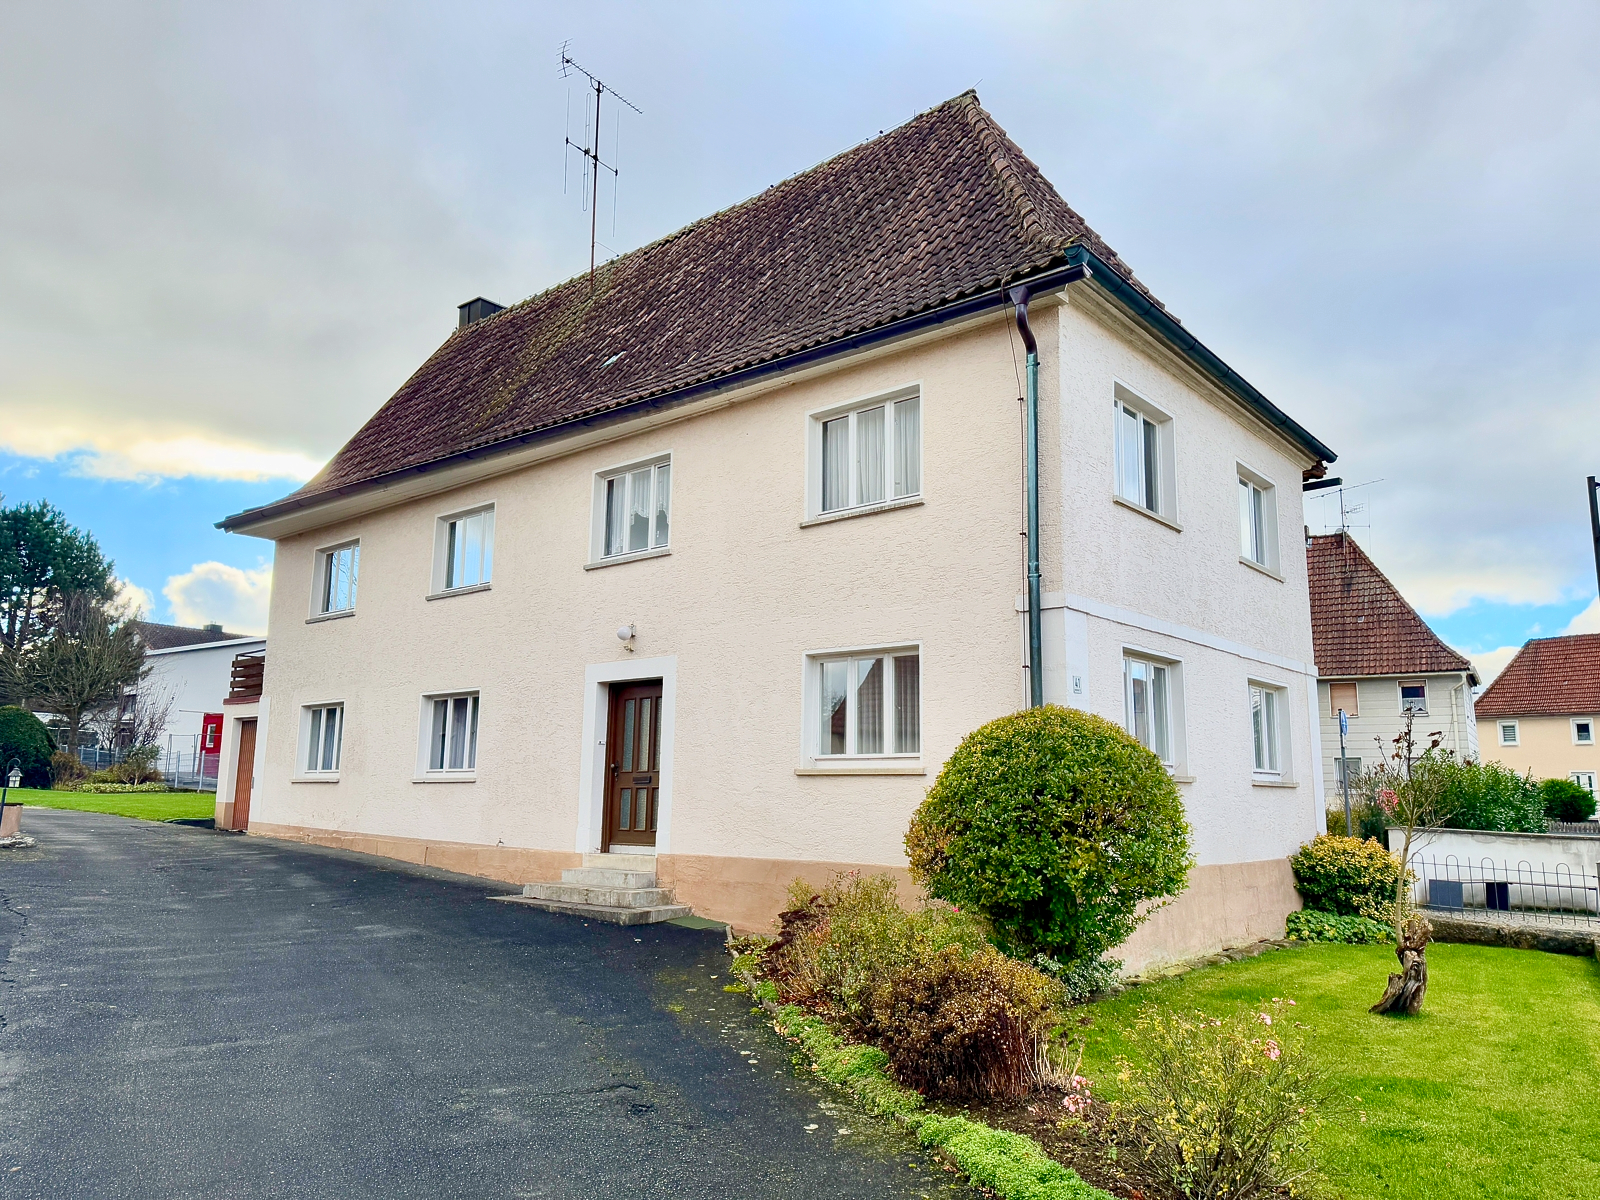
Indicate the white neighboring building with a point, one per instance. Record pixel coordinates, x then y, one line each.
193 666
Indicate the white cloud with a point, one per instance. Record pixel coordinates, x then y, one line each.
1588 621
216 592
108 448
133 599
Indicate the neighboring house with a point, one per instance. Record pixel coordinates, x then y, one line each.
718 558
1541 712
192 667
1377 659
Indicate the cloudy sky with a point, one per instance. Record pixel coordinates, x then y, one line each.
229 231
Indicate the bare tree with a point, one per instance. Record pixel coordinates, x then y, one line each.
1412 790
84 666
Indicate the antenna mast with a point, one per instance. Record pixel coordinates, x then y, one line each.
593 164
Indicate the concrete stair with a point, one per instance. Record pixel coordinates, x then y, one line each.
619 888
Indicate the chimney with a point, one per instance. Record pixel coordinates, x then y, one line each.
212 628
477 310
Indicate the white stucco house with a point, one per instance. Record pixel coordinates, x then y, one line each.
1378 660
190 671
712 562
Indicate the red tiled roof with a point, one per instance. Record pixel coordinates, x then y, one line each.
1549 677
944 207
1360 623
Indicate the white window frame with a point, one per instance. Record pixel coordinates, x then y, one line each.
1515 728
1576 740
320 579
812 694
442 585
1584 779
1279 744
426 771
315 715
660 467
1268 491
1176 748
851 411
1400 696
1157 433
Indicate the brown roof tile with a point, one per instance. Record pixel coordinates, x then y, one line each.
944 207
164 637
1549 677
1360 623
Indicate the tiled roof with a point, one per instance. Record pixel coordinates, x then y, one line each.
167 637
944 207
1549 677
1360 623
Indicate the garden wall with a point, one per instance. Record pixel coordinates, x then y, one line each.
1580 853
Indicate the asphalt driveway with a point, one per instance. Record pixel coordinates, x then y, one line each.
189 1014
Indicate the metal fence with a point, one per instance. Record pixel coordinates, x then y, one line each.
1523 891
180 762
1582 828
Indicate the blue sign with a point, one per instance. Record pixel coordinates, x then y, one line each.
1344 724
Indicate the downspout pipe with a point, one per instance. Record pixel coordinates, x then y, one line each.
1019 297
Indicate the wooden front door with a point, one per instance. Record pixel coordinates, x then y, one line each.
633 764
244 773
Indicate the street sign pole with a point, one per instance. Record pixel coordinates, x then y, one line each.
1344 774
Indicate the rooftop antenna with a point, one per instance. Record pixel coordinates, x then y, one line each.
1348 510
593 164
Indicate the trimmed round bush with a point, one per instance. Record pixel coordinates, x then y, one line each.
1346 876
1056 826
1565 800
24 737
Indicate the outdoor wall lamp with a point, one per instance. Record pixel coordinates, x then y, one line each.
625 635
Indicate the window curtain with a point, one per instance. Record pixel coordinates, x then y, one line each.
907 448
907 704
870 456
835 464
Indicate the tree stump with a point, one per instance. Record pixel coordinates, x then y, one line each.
1407 989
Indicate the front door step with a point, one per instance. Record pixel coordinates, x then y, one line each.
619 888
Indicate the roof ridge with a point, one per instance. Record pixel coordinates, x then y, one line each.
1000 150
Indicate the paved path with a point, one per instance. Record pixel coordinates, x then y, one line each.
190 1014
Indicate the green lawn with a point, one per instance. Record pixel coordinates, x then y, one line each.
1494 1091
149 806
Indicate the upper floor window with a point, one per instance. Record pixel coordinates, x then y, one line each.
869 455
870 704
1582 731
636 509
1414 696
1345 698
1147 698
322 738
1258 520
464 550
337 568
1144 454
1266 728
1509 733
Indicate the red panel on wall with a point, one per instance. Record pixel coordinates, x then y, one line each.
211 734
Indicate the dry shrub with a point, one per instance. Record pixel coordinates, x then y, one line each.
957 1018
66 770
958 1024
1224 1107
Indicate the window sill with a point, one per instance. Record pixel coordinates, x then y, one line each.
331 616
333 778
632 556
1255 566
1145 512
1277 783
446 777
859 767
864 510
1183 779
460 591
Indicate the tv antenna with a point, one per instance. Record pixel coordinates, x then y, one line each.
1348 510
593 164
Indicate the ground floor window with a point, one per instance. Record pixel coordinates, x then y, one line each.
1585 780
870 704
453 733
322 728
1346 769
1148 691
1266 733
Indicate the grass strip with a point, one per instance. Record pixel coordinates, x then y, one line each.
1008 1164
147 806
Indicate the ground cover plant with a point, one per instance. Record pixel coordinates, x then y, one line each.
146 805
1488 1094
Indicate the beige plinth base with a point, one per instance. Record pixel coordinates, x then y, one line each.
11 823
1229 904
508 864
